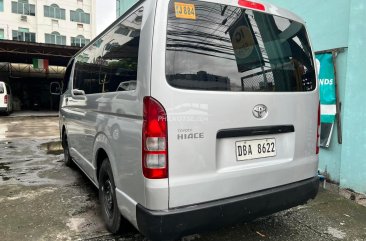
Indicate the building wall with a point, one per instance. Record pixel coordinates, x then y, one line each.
353 166
41 25
338 24
124 5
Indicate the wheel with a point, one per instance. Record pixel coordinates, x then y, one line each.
107 197
67 157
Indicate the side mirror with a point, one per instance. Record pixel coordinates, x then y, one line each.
78 94
55 88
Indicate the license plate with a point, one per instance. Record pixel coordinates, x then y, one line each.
254 149
185 10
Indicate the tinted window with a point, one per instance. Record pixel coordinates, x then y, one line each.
110 63
86 76
2 88
120 54
225 48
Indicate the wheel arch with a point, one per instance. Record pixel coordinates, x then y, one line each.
103 149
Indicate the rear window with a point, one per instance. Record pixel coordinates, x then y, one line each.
2 88
213 46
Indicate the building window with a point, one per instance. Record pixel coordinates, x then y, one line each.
54 11
79 16
79 41
123 30
1 5
2 36
23 34
55 38
23 7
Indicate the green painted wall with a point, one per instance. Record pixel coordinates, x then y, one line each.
353 166
123 6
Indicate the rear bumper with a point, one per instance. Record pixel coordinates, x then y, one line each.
3 109
174 223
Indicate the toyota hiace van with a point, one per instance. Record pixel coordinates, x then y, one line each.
189 115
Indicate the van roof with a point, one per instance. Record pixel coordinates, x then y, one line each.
270 9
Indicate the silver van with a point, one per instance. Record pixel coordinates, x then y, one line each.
6 98
189 115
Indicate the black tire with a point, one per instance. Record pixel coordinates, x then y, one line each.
67 157
107 197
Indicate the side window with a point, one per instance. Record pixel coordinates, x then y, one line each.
86 76
119 55
1 88
110 63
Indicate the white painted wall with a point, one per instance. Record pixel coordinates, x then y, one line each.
41 25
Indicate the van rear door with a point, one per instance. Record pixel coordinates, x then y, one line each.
239 89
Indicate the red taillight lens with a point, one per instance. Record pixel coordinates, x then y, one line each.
318 132
252 5
5 99
154 140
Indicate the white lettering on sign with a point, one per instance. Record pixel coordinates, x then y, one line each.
326 81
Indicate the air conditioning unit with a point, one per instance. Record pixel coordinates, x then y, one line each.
23 18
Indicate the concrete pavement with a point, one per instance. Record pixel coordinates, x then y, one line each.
33 127
42 199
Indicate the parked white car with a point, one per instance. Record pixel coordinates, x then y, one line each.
6 98
190 115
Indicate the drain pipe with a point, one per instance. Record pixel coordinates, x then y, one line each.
322 179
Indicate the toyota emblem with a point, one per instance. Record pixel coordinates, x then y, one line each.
260 111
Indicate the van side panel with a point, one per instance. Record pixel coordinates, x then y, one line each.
112 121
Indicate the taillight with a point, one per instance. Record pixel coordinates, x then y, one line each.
154 140
252 5
5 99
318 132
